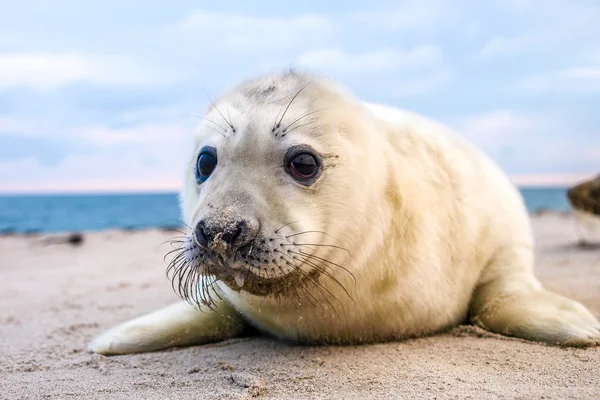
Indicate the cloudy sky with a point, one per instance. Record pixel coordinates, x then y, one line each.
103 95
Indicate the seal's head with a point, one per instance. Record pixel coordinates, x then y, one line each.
277 193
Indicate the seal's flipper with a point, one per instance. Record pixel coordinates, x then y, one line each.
517 306
177 325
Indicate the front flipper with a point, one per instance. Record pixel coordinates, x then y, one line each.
177 325
518 306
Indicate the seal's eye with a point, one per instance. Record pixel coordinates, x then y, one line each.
303 164
207 161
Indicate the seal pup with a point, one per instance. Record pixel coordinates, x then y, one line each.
584 197
318 218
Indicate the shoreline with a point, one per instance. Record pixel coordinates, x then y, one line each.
10 231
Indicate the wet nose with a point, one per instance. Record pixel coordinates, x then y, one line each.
230 234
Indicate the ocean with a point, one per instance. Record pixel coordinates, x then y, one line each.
69 213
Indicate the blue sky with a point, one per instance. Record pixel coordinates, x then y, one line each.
103 95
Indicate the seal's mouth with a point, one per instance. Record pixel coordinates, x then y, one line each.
263 267
275 267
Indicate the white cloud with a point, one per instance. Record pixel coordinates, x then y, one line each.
516 5
593 153
228 31
583 79
385 59
417 16
11 125
49 71
497 128
140 158
502 46
581 74
537 146
90 173
147 134
426 84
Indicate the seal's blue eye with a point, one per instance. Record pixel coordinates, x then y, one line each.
207 161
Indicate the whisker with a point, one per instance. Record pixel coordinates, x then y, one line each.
171 242
295 289
321 288
175 262
328 262
221 114
211 121
215 290
305 232
288 224
304 116
294 129
275 126
327 274
180 249
296 267
318 245
219 132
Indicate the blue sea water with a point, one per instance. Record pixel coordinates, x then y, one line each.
66 213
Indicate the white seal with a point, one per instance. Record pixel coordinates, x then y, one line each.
317 218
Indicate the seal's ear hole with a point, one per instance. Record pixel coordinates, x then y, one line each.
303 164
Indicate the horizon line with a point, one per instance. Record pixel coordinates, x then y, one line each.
520 181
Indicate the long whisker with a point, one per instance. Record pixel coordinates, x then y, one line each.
305 232
172 242
222 130
296 267
326 273
328 262
320 288
295 289
318 245
302 117
288 224
221 114
275 126
180 249
179 222
294 129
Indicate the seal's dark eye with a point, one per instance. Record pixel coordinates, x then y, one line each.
207 161
303 164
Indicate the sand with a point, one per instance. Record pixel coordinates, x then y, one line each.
55 298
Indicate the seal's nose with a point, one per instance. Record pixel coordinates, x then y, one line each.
225 234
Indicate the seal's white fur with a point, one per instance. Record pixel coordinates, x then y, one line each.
437 233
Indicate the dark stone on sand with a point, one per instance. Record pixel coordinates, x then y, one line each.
585 245
75 238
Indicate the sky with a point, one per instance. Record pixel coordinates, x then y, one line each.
105 95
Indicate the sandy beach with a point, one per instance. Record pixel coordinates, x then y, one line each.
55 298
